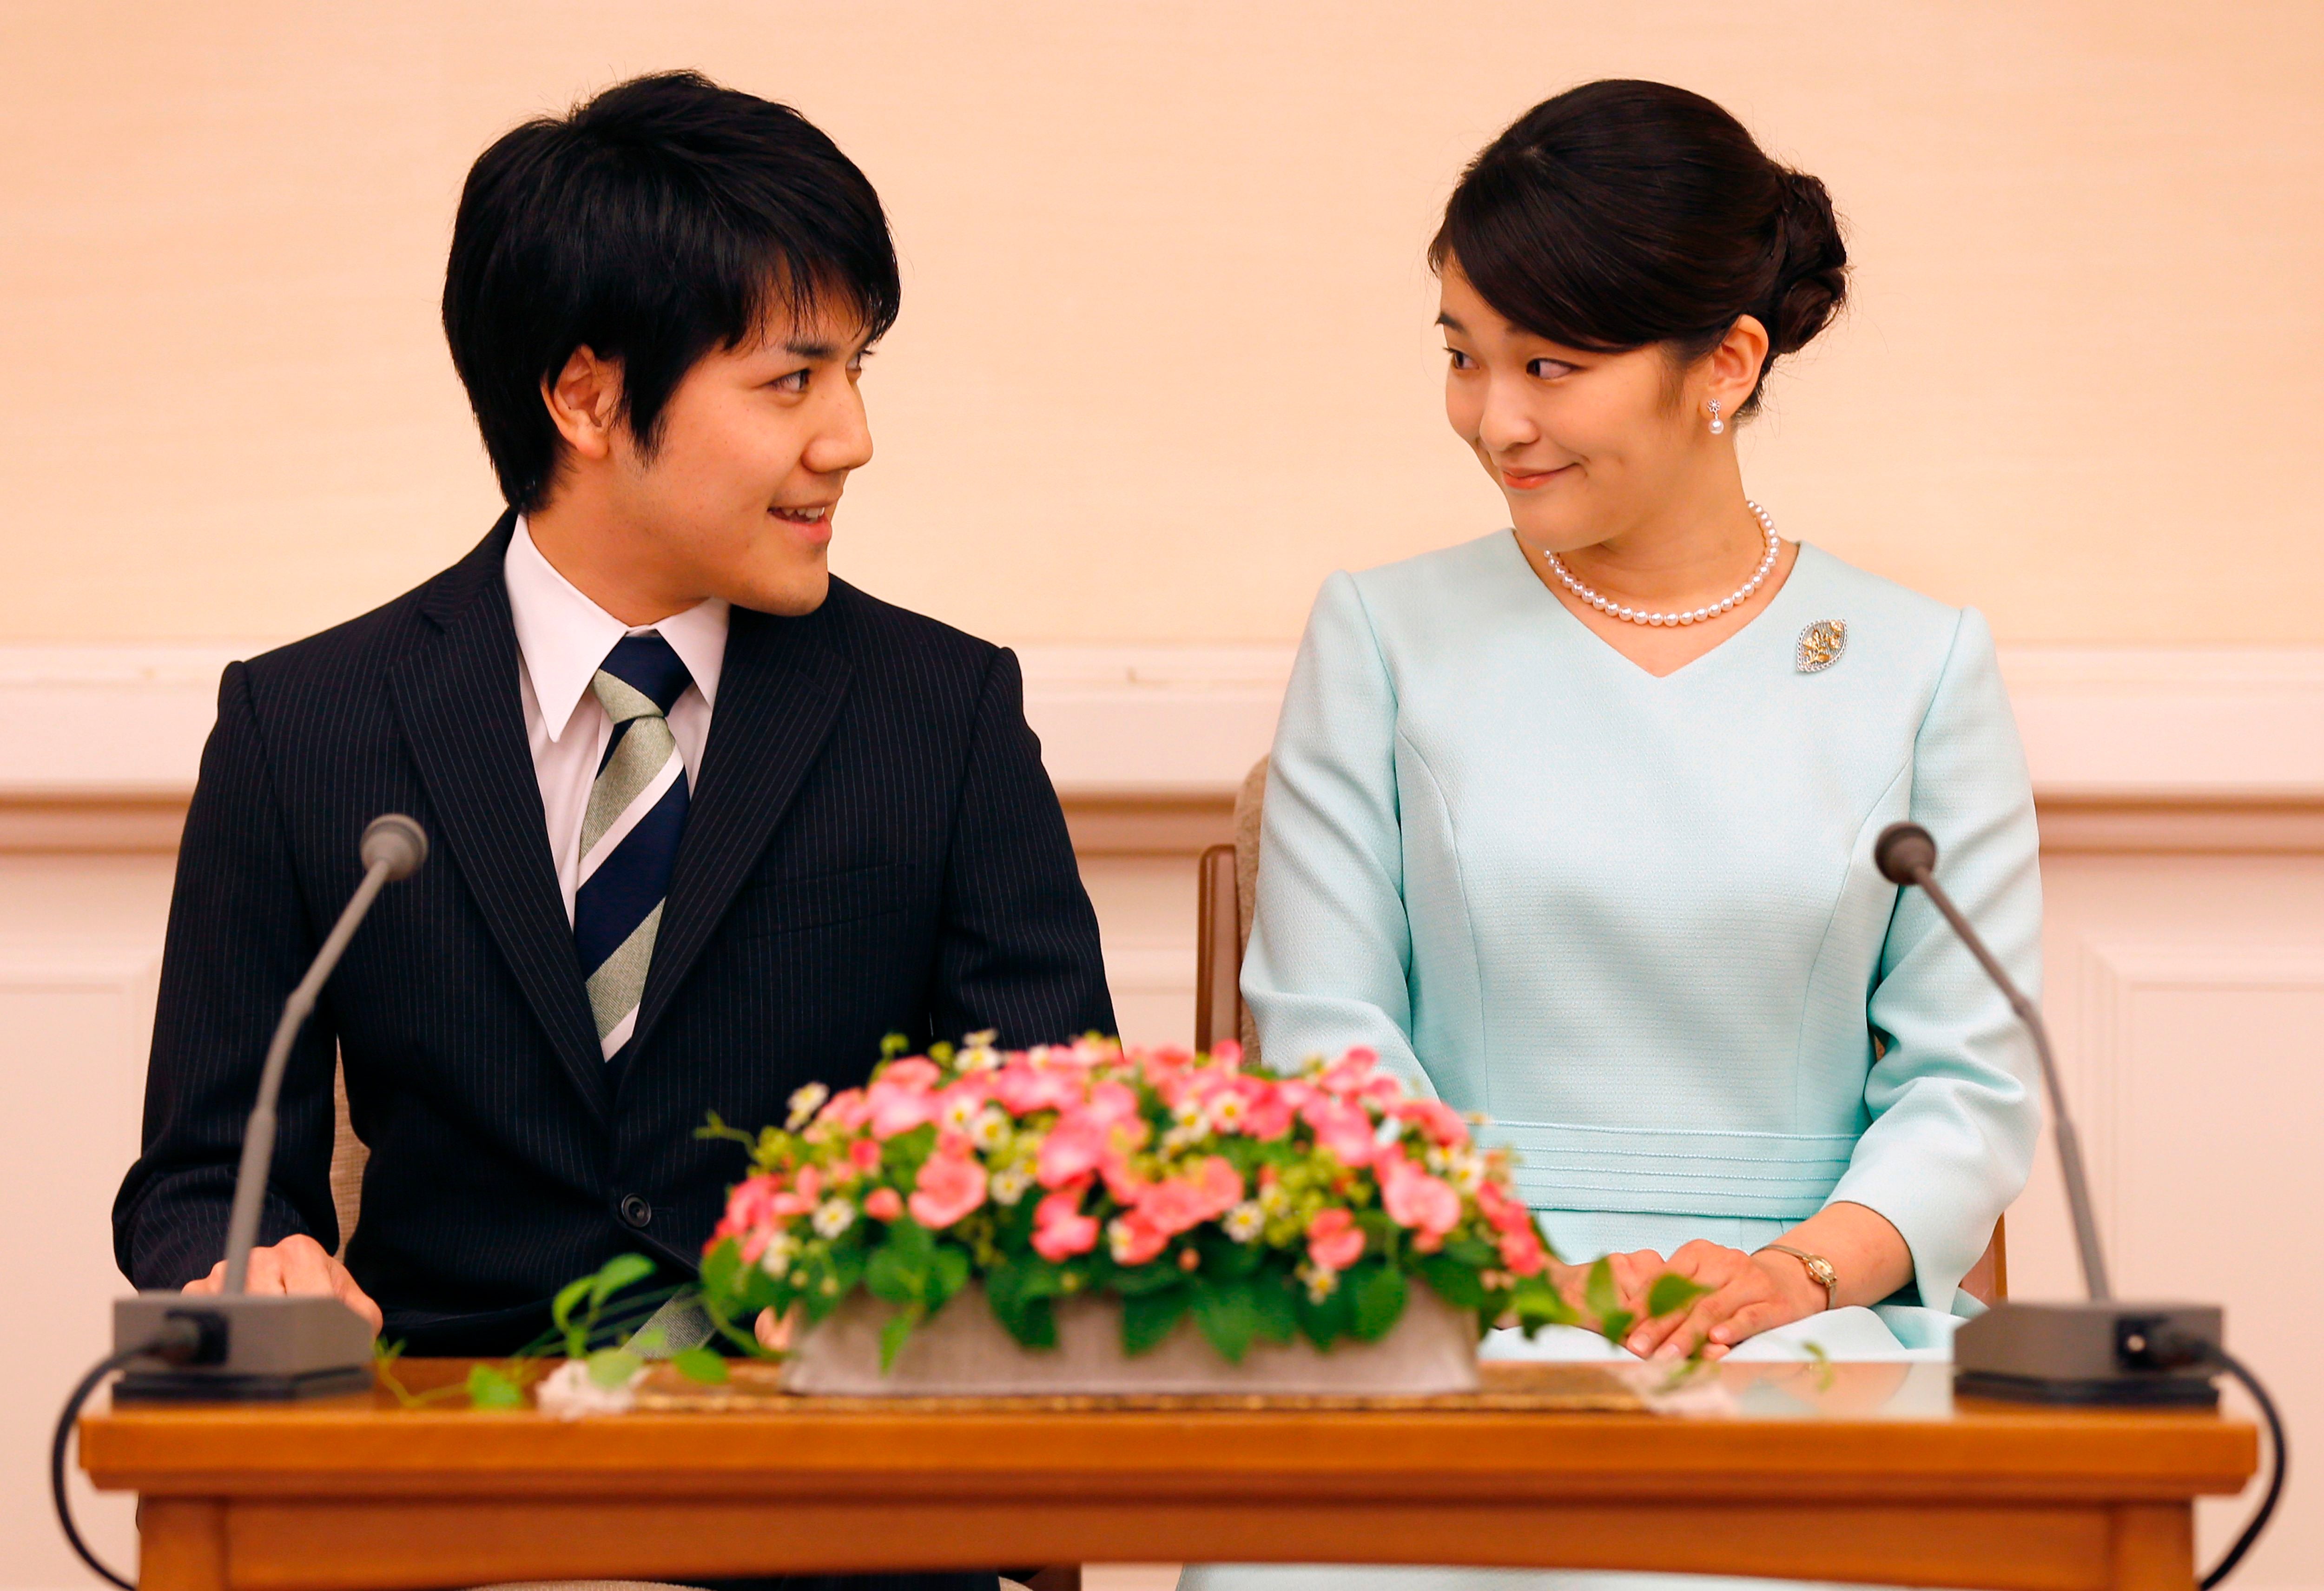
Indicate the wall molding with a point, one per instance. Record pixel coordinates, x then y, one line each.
2158 748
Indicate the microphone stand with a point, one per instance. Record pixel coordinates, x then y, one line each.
248 1346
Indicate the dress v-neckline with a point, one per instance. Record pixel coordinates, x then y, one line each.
1691 666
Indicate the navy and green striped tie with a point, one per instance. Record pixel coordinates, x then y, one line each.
630 833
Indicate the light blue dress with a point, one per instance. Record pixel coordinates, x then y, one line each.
1636 920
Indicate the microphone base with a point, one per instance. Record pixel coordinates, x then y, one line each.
270 1347
2110 1355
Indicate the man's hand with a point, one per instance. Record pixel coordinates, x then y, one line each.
296 1264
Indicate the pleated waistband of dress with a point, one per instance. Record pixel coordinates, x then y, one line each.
1780 1176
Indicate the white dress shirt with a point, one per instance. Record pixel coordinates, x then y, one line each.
561 638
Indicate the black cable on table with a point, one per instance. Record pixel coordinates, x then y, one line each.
2235 1555
178 1342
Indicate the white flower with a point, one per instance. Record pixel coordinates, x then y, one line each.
1228 1110
1010 1185
989 1130
1245 1221
958 1111
569 1392
1321 1282
781 1249
834 1216
1468 1173
977 1053
1273 1201
1187 1112
805 1103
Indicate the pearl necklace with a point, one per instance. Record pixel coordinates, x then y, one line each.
1640 616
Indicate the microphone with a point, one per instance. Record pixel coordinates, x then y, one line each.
2099 1352
269 1345
1907 854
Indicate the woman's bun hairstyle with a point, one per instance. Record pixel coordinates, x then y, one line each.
1623 214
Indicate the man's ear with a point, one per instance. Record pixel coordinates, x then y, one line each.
585 401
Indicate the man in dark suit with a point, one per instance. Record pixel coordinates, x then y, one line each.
708 823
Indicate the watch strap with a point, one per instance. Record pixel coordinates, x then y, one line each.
1819 1269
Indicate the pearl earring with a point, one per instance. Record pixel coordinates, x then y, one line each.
1718 425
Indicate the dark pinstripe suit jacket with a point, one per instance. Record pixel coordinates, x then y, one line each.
872 847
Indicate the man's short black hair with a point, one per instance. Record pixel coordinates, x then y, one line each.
666 217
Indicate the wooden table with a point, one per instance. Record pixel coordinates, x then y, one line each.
1853 1472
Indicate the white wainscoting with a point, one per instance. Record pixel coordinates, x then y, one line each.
2181 793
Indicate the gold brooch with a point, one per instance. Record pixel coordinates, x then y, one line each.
1820 645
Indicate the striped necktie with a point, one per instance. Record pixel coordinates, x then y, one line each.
630 833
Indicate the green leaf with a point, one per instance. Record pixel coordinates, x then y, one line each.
1327 1322
1453 1282
1671 1293
896 1276
893 1045
897 1332
721 1268
490 1388
1274 1306
1147 1279
568 1297
1376 1296
704 1365
901 1156
1147 1318
946 1276
611 1367
1227 1317
619 1272
1599 1293
1538 1304
1617 1326
1474 1253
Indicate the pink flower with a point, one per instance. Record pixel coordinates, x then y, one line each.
1073 1150
1334 1241
1350 1072
1134 1239
1060 1229
949 1187
1182 1204
1113 1103
1226 1053
866 1154
1022 1089
1521 1251
1267 1108
751 1203
1439 1121
801 1198
913 1072
900 1107
1501 1212
847 1110
1413 1199
883 1204
1342 1128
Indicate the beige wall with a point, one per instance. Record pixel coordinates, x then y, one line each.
1164 358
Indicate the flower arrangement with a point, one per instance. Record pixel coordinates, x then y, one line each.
1265 1207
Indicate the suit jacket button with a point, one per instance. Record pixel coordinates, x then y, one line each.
637 1211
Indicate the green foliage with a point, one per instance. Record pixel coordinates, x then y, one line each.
1228 1314
1376 1294
704 1365
1605 1303
1021 1292
1147 1318
490 1387
1671 1293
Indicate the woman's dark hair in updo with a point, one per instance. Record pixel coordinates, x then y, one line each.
1624 213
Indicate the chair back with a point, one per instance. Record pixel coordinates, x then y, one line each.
348 1158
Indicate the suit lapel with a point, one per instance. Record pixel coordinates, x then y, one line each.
778 692
461 712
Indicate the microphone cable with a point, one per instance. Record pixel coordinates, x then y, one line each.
2212 1353
184 1339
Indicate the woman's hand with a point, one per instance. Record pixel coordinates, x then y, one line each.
1749 1293
1634 1276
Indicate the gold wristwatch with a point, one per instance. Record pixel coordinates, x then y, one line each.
1820 1271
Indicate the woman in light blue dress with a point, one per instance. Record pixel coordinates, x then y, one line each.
1573 822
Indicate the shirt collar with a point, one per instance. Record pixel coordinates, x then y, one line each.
563 636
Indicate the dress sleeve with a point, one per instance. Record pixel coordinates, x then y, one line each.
1953 1096
1330 960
